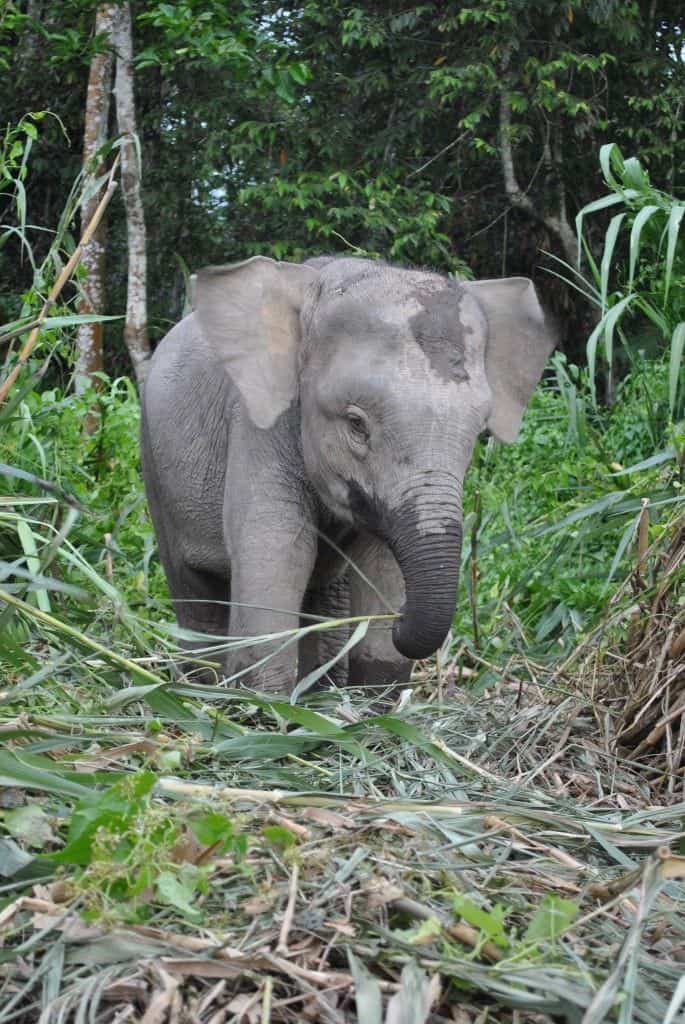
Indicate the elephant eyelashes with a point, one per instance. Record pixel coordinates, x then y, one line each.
358 427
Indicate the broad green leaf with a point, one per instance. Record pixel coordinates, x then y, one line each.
179 891
489 922
610 157
279 836
594 508
313 677
30 825
635 175
266 746
611 319
551 919
654 460
625 540
27 771
591 353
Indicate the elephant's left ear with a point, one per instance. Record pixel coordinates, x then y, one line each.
519 343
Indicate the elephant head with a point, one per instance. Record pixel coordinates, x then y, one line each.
395 373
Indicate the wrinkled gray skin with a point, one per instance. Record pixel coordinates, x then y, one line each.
341 400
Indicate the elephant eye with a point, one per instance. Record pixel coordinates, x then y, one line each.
358 425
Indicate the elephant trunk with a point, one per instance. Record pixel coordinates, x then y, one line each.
428 554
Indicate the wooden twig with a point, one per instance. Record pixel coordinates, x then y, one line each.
282 947
59 284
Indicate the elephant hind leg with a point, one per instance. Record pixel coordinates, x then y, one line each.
200 600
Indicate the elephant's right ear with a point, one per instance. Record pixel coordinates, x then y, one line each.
250 312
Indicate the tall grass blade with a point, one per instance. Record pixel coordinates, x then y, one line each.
611 320
607 255
675 363
593 207
674 219
30 549
641 219
313 677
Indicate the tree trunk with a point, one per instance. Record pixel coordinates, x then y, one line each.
89 336
135 329
557 223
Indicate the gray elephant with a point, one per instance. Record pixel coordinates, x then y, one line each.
305 435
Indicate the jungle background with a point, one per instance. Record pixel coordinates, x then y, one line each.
502 842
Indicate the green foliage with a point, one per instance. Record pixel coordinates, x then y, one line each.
45 436
134 852
646 284
560 510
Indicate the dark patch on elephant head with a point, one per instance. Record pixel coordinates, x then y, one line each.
368 510
439 332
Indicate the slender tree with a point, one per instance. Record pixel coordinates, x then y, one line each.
135 328
89 338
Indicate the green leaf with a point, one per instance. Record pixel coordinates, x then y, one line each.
641 219
490 923
28 543
27 771
609 245
30 825
610 322
179 890
280 837
212 828
367 992
12 858
598 204
114 810
551 919
610 157
674 219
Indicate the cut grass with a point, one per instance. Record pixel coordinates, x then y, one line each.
322 859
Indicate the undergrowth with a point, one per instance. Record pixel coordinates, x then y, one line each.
476 845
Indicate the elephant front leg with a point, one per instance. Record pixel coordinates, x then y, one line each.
270 571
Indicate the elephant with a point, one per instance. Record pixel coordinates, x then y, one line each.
305 434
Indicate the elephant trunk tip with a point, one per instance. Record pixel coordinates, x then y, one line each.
416 647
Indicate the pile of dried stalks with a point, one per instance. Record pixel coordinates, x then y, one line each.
633 665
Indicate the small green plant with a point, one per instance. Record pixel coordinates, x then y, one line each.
134 854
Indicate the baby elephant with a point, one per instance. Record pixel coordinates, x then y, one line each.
305 435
